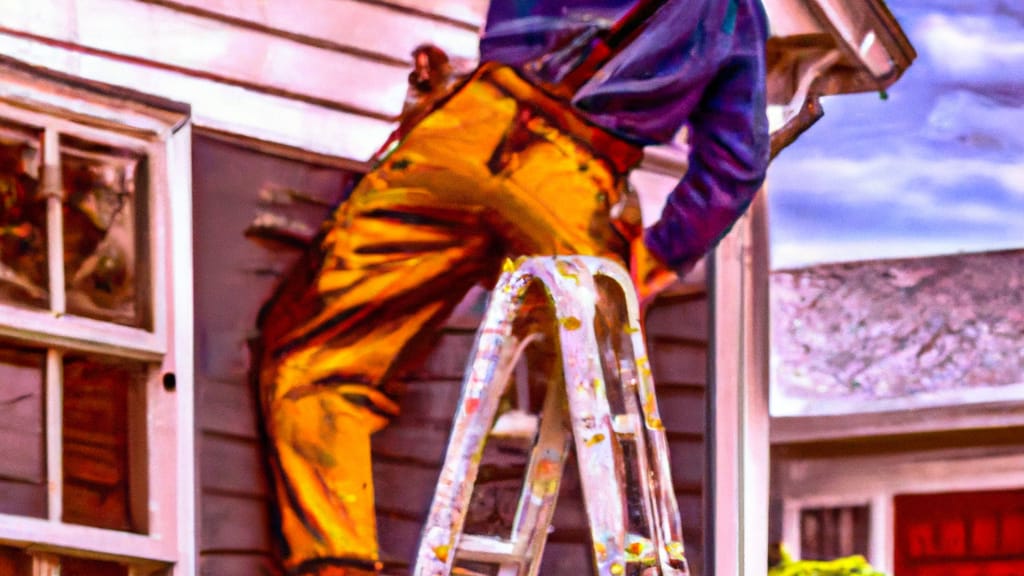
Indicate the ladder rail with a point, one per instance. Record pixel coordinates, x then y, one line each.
593 430
668 521
544 479
478 406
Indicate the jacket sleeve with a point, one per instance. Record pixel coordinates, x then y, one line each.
729 150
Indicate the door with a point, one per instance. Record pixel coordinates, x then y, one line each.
960 534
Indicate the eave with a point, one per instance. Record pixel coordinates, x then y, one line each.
828 47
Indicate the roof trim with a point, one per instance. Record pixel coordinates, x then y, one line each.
978 416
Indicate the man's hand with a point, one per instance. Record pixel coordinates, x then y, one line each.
649 274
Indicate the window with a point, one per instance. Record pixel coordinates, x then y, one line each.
830 533
92 442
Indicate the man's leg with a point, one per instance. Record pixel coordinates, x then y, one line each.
394 268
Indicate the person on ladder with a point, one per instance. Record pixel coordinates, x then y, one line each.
527 156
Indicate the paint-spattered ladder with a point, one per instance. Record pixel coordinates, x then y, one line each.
612 417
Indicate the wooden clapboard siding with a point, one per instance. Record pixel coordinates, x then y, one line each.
466 12
203 47
677 335
395 31
408 455
325 76
234 276
678 332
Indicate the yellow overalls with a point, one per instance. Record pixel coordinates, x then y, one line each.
498 170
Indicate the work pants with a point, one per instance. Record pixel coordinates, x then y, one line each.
498 170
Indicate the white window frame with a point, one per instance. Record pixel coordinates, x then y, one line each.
107 116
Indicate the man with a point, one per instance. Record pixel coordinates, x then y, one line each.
499 168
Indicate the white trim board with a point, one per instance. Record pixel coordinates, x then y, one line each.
969 414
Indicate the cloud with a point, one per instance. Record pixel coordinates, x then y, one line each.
973 48
909 174
799 254
833 208
976 120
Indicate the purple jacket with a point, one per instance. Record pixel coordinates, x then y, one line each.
700 62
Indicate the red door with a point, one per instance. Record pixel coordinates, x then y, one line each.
960 534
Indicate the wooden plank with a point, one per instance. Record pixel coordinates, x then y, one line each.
227 409
686 458
219 106
403 488
449 358
674 363
691 510
791 18
471 12
685 317
367 27
176 485
570 513
918 420
236 524
430 400
214 564
682 410
399 538
423 445
566 558
231 465
228 54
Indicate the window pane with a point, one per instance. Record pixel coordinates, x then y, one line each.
829 533
22 432
70 566
14 562
101 223
97 467
23 271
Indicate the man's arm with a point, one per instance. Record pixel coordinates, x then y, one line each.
729 147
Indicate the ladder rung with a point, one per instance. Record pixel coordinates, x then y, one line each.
486 549
625 425
516 425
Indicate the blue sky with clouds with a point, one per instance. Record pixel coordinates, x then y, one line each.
937 168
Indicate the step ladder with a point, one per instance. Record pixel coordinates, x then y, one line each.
621 450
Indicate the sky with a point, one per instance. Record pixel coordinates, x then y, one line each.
937 168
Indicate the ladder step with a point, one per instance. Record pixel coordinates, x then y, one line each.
516 425
477 548
626 425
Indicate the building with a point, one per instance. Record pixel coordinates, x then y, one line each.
199 142
897 430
